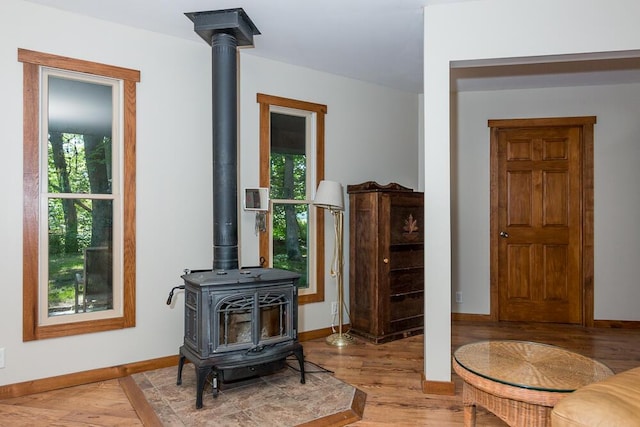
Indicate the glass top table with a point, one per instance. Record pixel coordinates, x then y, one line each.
521 381
530 365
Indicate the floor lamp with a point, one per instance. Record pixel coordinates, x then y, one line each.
329 196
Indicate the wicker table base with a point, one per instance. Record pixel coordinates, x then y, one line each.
520 382
513 405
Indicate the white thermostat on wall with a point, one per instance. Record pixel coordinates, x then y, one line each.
256 199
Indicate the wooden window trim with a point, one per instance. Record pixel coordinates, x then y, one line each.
266 101
31 144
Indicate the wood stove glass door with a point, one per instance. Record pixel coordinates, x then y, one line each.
254 319
276 315
235 317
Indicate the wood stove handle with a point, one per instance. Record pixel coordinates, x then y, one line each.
171 293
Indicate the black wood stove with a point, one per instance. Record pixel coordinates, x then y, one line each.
239 323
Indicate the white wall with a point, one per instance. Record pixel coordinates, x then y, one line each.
617 200
372 133
172 230
486 30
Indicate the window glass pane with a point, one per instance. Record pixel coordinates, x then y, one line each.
80 256
288 157
290 239
79 123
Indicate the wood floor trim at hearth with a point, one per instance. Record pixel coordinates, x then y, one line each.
345 417
139 403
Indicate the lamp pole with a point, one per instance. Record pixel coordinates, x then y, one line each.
339 339
329 196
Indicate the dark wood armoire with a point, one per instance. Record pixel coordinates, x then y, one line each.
386 261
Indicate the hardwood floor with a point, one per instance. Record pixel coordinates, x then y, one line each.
389 373
97 404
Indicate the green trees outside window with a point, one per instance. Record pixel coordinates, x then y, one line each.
79 164
288 190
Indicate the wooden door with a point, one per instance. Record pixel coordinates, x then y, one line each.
539 223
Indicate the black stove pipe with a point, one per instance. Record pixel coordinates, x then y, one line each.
224 30
225 135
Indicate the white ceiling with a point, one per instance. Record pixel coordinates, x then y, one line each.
378 41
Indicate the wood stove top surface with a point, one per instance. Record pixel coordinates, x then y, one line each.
240 276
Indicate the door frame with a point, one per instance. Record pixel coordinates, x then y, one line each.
586 124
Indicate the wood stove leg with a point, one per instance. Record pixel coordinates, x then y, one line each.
180 366
300 356
201 375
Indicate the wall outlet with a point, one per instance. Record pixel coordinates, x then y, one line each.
458 297
334 307
2 357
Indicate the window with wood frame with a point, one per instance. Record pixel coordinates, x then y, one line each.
291 166
79 196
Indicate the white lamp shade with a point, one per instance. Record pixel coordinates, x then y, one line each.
329 195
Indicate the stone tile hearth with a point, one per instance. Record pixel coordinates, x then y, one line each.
277 400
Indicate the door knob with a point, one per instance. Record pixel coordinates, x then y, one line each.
504 234
385 260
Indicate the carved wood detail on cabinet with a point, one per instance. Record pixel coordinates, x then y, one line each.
386 261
